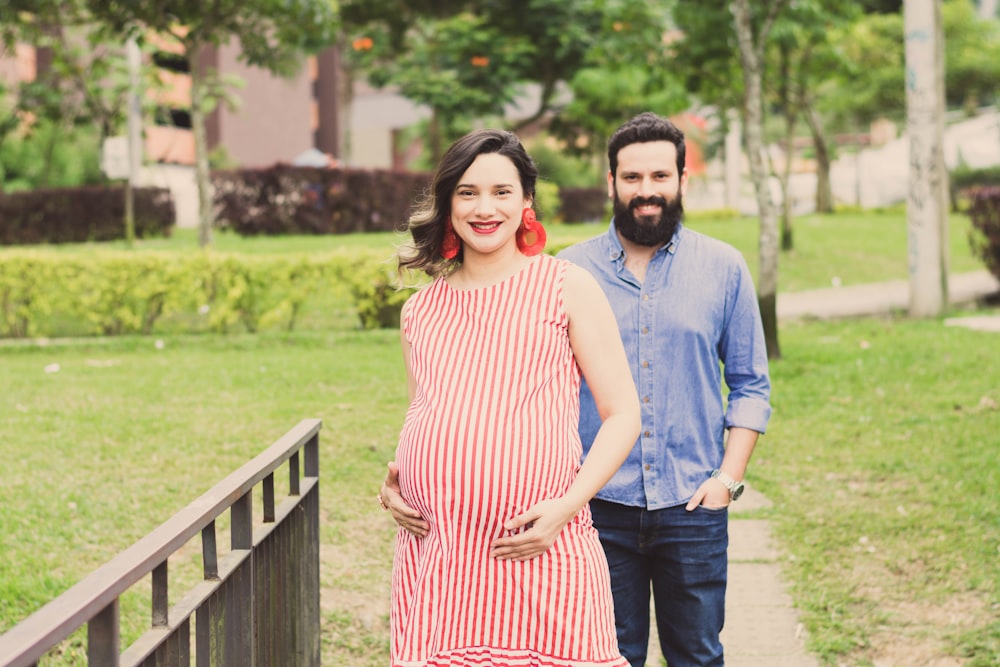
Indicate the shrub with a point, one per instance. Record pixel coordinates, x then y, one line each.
547 204
378 295
50 155
963 181
984 235
308 200
585 204
557 165
119 292
77 215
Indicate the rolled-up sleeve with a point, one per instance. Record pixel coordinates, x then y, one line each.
743 352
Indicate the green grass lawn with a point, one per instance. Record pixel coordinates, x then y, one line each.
881 458
881 462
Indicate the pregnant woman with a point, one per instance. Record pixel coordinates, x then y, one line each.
496 560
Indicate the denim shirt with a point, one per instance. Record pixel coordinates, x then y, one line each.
696 308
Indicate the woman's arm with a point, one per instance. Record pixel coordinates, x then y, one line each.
390 497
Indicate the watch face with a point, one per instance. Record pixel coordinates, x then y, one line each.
737 492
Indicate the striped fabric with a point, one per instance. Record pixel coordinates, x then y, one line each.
491 431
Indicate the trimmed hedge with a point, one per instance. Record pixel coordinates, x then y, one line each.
984 236
120 292
283 199
78 215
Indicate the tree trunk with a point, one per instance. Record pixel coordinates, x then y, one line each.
751 58
201 172
824 192
787 237
926 213
785 176
734 159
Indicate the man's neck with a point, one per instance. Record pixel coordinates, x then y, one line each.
637 257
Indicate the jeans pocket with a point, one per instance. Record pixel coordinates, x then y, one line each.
712 510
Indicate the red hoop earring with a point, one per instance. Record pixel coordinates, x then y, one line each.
450 244
530 235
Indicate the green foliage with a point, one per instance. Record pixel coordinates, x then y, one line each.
25 293
50 155
460 65
872 83
273 34
377 292
706 53
467 60
966 177
116 293
560 167
972 56
547 203
627 71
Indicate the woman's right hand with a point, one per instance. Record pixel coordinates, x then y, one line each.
391 499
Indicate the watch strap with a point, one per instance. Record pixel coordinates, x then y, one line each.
735 487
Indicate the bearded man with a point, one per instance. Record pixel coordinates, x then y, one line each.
685 304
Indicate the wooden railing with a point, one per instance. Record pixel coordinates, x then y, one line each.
256 606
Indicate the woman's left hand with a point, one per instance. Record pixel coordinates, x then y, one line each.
534 531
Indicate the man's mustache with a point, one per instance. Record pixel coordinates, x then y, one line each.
647 201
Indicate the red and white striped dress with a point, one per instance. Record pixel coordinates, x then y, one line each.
491 431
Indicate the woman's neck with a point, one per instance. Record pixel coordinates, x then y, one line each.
479 271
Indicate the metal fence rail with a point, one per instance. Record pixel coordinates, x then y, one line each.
256 606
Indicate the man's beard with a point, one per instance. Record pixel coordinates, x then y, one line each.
648 230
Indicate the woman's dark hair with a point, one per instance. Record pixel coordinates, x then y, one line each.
427 222
642 129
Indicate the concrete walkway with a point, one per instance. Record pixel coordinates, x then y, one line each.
762 624
878 298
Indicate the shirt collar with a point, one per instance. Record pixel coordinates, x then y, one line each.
616 251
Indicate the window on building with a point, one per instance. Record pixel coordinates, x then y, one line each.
174 62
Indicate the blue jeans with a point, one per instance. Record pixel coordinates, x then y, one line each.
682 556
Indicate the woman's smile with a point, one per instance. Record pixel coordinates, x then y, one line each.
485 227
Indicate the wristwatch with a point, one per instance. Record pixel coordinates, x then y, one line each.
735 488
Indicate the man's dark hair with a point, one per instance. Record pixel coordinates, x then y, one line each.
641 129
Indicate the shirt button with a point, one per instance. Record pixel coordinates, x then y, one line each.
645 364
645 399
646 433
646 466
645 297
645 330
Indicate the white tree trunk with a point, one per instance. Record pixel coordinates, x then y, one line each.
926 208
751 58
201 168
734 160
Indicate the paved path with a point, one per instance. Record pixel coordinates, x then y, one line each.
878 298
762 624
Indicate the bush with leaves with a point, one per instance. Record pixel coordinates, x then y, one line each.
119 292
984 234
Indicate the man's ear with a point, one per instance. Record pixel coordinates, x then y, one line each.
611 185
